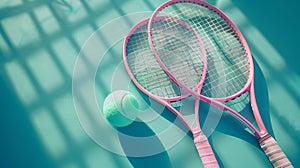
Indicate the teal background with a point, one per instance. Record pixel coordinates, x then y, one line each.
39 44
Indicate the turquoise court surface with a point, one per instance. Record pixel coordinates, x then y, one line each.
59 59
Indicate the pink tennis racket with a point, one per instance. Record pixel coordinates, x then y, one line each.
230 71
149 77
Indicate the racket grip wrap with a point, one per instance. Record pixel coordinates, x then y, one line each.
274 153
205 151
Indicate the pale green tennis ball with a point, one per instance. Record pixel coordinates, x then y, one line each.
120 108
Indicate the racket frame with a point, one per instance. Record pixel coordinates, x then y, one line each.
200 140
218 102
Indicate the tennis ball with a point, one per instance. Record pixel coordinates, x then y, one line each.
120 108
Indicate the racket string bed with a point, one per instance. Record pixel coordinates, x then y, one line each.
175 50
226 38
221 88
230 81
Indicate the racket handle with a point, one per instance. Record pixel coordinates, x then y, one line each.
274 153
205 151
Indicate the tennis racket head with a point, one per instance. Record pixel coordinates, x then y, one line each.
229 63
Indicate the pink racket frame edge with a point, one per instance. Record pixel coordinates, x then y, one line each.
249 86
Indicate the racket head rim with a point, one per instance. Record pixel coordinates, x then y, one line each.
131 75
239 34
